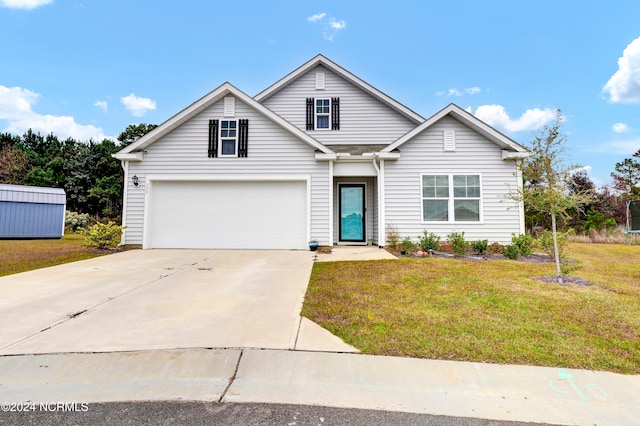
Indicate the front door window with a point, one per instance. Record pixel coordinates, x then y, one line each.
352 212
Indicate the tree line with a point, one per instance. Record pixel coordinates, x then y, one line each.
91 178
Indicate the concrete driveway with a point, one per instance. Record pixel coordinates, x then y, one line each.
159 299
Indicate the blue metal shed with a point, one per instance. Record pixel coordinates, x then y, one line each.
31 212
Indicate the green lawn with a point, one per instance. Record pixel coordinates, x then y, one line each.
486 311
25 255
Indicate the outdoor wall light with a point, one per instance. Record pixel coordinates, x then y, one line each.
135 180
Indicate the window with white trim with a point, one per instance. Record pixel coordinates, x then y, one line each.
451 198
228 138
323 110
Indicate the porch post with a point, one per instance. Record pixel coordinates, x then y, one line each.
330 203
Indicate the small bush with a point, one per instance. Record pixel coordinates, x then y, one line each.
102 235
76 220
458 244
429 241
511 251
480 246
393 237
523 242
408 245
495 248
597 222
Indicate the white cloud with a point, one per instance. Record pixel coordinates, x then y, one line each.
330 27
624 85
337 25
453 92
138 106
316 17
16 108
103 105
531 119
24 4
620 128
473 90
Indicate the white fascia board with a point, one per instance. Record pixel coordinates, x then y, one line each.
133 156
511 155
352 78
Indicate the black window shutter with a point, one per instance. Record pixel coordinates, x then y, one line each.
213 138
310 114
243 137
335 113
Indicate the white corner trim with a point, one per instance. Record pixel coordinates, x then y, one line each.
320 156
388 155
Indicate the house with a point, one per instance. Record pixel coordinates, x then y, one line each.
319 155
31 212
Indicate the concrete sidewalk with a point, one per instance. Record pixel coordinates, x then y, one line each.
498 392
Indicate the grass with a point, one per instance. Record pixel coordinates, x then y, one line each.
486 311
24 255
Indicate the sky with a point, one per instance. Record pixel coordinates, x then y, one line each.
88 69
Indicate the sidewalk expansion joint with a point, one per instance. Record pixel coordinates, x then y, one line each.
232 378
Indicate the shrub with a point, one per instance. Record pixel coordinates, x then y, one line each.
76 220
495 248
393 238
523 242
480 246
408 245
511 251
429 241
596 221
102 235
458 244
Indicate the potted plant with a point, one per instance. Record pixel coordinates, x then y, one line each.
313 245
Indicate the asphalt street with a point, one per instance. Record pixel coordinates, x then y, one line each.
199 413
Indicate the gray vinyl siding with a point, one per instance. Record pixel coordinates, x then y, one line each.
474 154
363 118
31 212
271 151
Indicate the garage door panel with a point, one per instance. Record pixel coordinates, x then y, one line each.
228 215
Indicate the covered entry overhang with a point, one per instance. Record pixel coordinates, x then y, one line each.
356 194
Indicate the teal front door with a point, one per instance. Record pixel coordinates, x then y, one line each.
352 212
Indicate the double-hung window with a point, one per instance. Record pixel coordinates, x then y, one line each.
451 198
228 138
323 109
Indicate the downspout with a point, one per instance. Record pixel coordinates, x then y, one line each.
125 167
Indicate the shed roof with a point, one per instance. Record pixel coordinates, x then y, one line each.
32 194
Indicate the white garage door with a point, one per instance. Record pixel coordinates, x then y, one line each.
234 215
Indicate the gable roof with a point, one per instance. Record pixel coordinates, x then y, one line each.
202 104
353 79
466 118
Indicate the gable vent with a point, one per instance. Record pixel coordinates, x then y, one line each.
449 140
229 106
319 81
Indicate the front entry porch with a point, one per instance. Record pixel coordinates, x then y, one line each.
355 210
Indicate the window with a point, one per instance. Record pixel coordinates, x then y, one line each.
228 138
451 198
322 113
